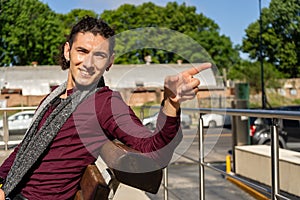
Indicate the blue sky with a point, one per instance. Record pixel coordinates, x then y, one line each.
232 16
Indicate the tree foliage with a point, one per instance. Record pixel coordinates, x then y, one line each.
180 18
280 36
30 31
73 17
250 72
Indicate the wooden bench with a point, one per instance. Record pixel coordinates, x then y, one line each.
126 166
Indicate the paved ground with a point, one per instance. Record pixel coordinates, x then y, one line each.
183 182
4 154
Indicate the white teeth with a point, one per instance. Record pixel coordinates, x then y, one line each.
84 72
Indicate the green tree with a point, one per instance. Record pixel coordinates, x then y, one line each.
180 18
280 36
30 31
73 17
250 72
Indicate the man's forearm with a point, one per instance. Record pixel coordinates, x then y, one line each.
170 108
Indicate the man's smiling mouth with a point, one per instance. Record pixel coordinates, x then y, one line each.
85 73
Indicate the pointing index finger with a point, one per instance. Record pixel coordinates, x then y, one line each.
195 70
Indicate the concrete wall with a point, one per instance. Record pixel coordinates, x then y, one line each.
131 98
20 100
254 162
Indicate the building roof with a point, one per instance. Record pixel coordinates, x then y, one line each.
37 80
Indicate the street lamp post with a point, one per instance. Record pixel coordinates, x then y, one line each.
263 94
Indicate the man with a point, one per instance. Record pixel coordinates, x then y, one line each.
75 120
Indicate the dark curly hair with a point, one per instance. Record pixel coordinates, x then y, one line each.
88 24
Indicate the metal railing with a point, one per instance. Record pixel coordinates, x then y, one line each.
272 114
5 122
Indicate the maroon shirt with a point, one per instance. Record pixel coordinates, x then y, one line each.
100 117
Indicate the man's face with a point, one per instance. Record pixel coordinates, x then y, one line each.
89 58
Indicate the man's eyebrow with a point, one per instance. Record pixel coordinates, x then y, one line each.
81 49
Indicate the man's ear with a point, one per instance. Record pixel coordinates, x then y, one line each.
110 62
67 51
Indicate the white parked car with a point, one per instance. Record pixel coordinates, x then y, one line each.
18 123
150 122
216 120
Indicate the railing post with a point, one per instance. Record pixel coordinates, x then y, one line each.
201 158
275 159
166 194
5 131
142 112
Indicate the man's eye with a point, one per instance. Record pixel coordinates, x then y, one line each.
82 51
100 55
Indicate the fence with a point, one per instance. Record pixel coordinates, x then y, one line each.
273 114
5 123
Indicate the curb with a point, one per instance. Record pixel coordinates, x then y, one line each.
257 195
127 192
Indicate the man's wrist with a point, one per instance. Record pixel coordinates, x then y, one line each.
170 108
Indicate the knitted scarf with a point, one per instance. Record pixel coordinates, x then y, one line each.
36 142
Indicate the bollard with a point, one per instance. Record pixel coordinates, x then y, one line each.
228 164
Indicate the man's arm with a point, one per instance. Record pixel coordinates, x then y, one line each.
120 122
6 165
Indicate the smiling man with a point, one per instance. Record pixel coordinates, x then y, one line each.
89 57
79 116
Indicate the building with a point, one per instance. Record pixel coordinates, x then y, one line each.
26 86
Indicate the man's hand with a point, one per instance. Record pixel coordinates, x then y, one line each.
2 195
181 87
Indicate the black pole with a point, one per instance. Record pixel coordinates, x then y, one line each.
263 94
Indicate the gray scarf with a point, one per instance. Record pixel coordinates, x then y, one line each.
36 142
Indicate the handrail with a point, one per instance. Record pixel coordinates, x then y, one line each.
272 114
18 108
5 122
293 115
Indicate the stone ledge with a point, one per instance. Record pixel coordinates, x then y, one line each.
254 162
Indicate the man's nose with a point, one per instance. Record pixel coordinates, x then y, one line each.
88 61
